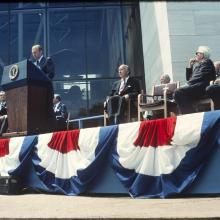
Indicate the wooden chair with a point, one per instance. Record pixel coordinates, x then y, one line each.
204 101
159 100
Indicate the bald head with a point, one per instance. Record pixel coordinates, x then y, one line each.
37 51
123 71
164 79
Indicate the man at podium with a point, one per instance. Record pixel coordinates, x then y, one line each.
46 65
43 63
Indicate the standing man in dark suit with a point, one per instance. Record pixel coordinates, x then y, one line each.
43 63
200 72
3 113
127 88
60 112
46 65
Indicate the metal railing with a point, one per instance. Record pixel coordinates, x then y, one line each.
80 120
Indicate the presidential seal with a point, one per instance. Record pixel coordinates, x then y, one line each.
13 72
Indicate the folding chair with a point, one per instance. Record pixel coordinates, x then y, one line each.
204 101
161 99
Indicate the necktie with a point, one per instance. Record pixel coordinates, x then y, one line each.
37 62
122 86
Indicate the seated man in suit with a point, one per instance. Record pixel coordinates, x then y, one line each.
60 112
122 90
3 113
200 72
213 91
46 65
164 78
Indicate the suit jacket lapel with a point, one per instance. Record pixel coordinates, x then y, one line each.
42 61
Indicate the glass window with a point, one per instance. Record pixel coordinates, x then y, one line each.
3 6
87 42
27 29
74 96
4 35
28 5
104 43
66 4
66 37
97 92
132 39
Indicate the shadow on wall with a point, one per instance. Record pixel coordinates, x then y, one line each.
74 101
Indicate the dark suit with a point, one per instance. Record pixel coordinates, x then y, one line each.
198 79
47 66
61 116
213 92
3 117
3 108
117 102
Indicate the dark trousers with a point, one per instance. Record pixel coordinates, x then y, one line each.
184 97
213 92
116 107
61 124
3 124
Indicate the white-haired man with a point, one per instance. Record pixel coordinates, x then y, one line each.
200 72
127 88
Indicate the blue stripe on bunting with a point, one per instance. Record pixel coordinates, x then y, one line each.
78 184
166 185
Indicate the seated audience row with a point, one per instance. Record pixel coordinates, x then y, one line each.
200 72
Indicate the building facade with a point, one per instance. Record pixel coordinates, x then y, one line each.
171 33
87 42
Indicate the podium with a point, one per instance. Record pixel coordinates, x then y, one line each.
29 94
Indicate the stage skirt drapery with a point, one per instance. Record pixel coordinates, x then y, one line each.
152 159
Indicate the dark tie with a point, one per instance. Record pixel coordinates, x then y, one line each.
38 63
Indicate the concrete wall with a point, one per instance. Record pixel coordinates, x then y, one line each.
177 28
155 40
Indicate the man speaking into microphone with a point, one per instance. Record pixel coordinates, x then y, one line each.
43 63
46 65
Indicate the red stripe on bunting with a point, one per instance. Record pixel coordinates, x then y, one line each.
4 147
156 133
65 141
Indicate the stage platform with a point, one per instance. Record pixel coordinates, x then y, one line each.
150 159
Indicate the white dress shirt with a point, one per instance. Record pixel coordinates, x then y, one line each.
123 83
56 106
